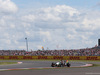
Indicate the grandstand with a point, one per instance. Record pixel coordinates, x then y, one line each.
94 51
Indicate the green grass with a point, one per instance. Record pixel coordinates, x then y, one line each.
7 63
85 60
95 65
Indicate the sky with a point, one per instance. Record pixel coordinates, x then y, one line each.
52 24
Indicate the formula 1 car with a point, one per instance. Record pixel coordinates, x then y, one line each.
60 64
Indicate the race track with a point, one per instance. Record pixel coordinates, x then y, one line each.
35 64
58 71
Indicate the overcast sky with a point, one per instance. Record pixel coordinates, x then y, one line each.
53 24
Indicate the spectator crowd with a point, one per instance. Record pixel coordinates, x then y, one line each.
77 52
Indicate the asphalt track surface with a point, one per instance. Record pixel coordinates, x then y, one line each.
35 64
58 71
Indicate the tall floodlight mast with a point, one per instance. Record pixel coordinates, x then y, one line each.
26 43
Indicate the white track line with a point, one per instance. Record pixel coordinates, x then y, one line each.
86 65
20 62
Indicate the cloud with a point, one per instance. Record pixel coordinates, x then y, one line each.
56 17
45 35
7 6
28 18
39 47
48 27
58 13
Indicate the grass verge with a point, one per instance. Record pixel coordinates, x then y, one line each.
96 65
7 63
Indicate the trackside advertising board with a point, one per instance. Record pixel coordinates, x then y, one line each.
50 57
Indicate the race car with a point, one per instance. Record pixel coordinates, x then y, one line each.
61 64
